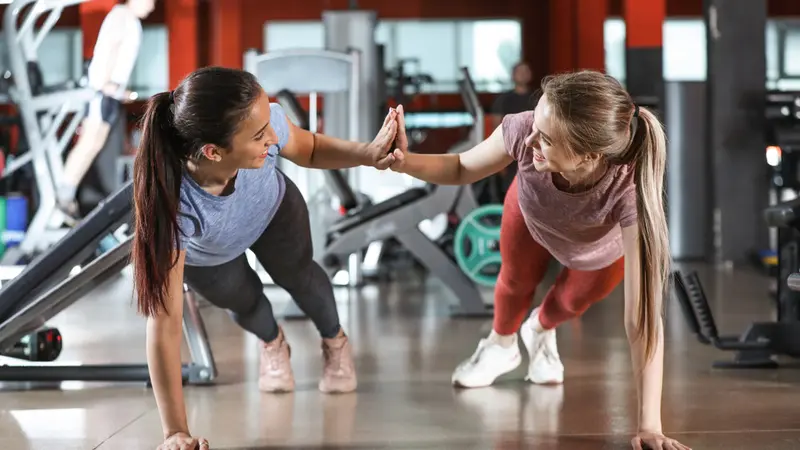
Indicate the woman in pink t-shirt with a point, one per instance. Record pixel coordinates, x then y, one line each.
588 193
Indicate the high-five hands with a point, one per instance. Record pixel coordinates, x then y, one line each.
401 147
379 150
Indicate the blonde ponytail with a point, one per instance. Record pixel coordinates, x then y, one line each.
650 150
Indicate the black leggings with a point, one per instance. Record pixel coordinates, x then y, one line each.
285 251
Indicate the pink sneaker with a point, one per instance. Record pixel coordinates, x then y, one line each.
339 374
275 374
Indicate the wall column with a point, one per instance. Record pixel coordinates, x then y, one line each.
181 17
227 47
735 94
576 35
644 66
92 15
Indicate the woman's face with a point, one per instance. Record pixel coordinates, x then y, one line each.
548 154
250 145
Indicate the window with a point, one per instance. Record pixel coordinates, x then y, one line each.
685 51
60 56
614 42
489 48
151 73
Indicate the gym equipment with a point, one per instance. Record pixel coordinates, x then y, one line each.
758 346
399 218
45 288
50 115
476 245
349 31
335 180
286 72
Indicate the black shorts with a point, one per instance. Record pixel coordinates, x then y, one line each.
105 108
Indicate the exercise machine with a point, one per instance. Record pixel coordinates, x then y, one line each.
50 284
349 201
399 218
49 114
761 343
290 71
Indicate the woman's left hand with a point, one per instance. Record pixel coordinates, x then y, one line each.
645 440
379 150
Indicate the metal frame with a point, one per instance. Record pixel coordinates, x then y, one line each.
402 223
49 118
271 70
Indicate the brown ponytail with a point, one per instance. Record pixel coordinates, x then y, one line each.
156 186
207 108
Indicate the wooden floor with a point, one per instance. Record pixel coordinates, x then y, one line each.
406 348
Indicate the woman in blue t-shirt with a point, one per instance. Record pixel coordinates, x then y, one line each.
197 211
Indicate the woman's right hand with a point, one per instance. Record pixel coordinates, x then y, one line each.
182 441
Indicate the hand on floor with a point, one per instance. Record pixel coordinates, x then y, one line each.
646 440
182 441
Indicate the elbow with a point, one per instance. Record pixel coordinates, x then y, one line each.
163 328
632 327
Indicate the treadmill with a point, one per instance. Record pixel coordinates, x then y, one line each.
47 287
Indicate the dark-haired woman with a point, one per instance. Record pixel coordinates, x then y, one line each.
205 190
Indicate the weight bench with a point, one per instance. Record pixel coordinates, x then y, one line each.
45 288
761 342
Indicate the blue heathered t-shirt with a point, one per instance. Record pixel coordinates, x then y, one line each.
217 229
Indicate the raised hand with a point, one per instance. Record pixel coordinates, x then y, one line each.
380 149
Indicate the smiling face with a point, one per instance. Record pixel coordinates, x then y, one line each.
250 144
549 154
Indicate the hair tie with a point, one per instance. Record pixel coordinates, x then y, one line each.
172 96
635 110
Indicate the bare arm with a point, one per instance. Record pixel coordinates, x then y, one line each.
164 337
318 151
649 376
479 162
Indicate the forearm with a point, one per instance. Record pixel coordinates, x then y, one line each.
649 377
443 169
164 364
334 153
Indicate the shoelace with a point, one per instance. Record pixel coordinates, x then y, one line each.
478 352
549 355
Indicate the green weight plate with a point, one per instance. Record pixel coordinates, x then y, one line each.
477 244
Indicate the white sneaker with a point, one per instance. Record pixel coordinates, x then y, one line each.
489 361
544 366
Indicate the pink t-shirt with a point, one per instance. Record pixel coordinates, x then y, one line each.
581 230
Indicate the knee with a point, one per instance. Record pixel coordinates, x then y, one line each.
242 311
516 283
573 305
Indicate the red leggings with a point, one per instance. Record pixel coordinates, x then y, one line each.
524 263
